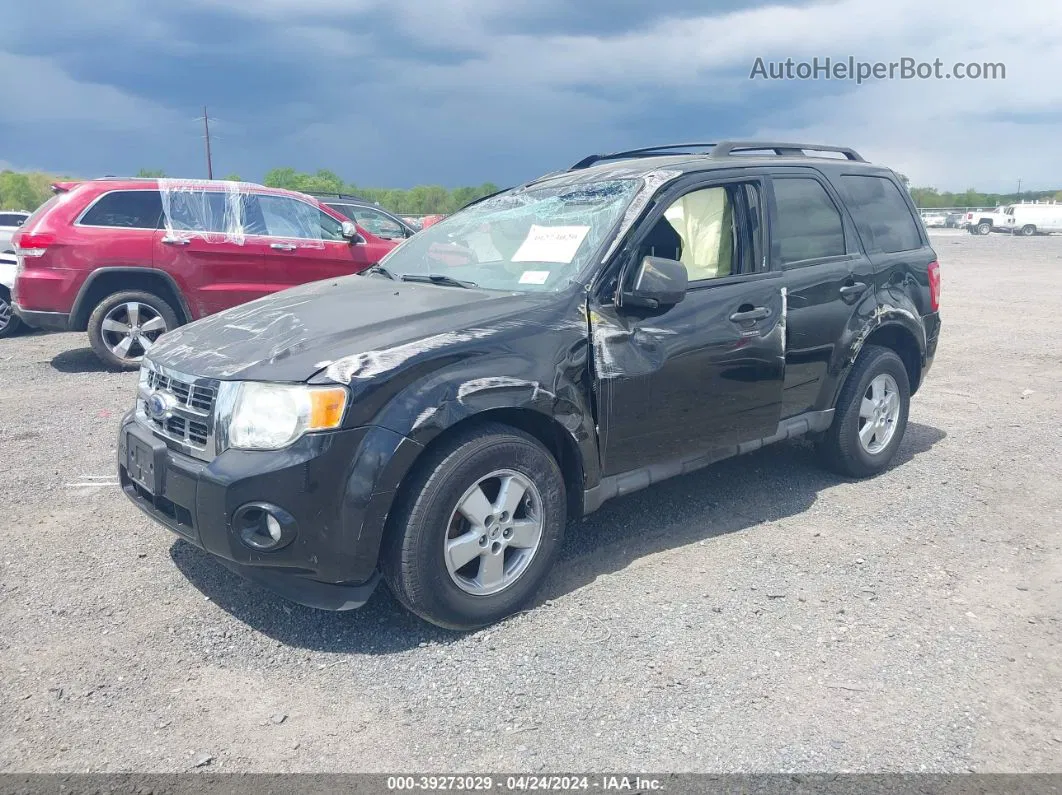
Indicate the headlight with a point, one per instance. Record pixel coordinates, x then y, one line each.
271 416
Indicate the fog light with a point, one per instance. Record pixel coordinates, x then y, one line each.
264 527
273 526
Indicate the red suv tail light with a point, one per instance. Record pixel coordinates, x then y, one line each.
934 286
31 245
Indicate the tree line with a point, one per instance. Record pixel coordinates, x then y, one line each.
929 198
27 190
421 200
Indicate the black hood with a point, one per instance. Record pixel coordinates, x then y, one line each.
292 335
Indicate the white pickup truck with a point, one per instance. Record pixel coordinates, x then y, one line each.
983 222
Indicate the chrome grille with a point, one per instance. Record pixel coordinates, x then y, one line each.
189 423
194 396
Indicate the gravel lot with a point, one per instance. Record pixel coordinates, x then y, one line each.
761 615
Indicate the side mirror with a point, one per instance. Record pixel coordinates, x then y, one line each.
658 283
350 232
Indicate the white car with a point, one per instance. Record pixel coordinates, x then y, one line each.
935 220
10 221
8 322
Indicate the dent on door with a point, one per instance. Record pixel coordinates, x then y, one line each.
690 379
721 378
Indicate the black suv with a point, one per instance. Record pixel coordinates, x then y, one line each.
367 215
441 418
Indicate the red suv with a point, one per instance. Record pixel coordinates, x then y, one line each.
128 260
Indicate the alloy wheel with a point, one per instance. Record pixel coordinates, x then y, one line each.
494 532
879 412
130 329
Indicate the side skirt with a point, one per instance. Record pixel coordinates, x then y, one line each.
637 479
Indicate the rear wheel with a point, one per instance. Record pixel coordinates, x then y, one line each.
1028 230
984 228
870 417
9 323
478 529
124 326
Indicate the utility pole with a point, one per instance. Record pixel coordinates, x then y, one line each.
206 130
1019 189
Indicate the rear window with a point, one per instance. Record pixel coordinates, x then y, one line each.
881 214
130 209
40 211
11 219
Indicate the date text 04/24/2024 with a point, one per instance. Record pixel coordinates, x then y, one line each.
524 783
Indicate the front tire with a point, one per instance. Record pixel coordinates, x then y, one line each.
1028 230
124 326
9 322
478 528
870 417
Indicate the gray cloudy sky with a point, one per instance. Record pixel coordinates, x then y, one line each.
457 92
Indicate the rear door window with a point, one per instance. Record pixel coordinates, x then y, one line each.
128 209
193 210
809 225
881 215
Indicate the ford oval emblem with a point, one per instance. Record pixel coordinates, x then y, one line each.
159 405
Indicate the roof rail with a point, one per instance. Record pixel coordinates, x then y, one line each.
721 149
727 148
352 197
647 151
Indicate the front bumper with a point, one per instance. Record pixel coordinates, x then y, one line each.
337 486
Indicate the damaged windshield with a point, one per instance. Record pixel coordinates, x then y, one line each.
529 240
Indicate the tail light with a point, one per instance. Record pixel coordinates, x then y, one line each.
32 245
934 286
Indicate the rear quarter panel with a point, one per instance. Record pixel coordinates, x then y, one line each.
50 283
898 297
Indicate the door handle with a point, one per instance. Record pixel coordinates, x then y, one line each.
283 246
756 313
176 241
851 290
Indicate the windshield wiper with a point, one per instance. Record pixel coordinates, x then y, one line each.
437 278
381 270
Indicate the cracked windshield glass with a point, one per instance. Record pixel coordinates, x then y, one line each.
531 240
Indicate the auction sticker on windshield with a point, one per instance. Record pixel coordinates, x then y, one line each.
551 244
534 277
